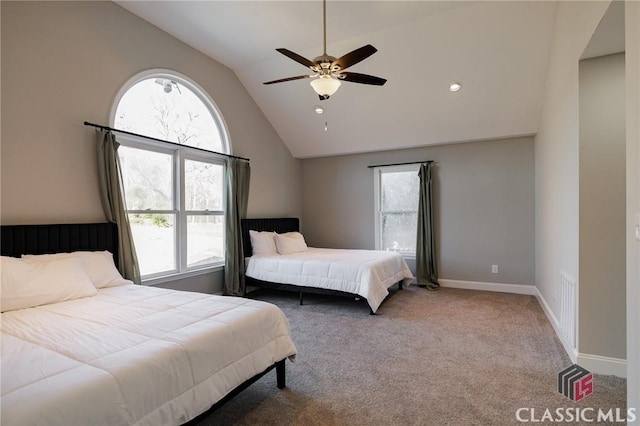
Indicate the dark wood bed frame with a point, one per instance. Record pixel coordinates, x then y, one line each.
282 225
16 240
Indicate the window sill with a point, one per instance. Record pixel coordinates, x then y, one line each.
182 275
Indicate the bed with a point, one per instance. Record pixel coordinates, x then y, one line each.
366 274
119 353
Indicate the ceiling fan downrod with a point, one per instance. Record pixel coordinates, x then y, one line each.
330 71
324 26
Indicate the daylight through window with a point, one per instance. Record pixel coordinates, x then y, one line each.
397 189
174 193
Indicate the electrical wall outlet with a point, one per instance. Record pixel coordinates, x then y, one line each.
494 269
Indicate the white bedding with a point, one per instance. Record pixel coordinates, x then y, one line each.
368 273
134 355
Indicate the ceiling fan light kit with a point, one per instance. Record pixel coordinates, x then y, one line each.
325 85
329 71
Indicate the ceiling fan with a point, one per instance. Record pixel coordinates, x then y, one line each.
329 71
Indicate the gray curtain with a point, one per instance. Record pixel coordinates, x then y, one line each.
426 260
113 203
238 175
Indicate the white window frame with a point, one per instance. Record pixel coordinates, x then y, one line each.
180 153
377 185
185 81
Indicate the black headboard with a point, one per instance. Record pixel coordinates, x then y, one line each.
17 240
279 225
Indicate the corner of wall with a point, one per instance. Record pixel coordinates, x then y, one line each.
568 347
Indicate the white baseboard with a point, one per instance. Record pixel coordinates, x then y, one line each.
603 365
518 289
594 363
486 286
569 349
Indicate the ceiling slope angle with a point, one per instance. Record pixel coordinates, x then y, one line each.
497 50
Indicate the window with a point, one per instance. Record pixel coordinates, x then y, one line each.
174 191
396 204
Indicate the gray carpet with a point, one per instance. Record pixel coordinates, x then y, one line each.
450 357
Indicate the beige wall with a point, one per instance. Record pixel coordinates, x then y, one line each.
63 63
602 246
632 70
556 152
557 175
484 205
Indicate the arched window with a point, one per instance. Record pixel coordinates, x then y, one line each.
174 190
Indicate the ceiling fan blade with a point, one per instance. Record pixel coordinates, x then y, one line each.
298 77
299 59
355 56
355 77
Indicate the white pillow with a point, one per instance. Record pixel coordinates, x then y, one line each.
263 242
27 284
99 266
290 242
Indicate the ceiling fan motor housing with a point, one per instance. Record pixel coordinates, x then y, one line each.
324 65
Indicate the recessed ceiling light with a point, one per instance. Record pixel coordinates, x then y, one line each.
318 109
455 86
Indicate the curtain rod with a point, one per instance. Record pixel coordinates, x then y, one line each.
111 129
401 164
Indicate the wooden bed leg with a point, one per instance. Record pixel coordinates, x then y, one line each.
300 297
399 285
280 374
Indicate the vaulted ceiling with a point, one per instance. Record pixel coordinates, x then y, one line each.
498 50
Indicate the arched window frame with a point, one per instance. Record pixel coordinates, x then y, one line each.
185 81
180 154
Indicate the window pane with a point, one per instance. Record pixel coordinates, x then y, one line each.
154 237
205 240
174 195
168 110
399 232
400 191
203 185
148 179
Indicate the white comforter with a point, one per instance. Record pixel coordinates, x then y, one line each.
367 273
133 355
